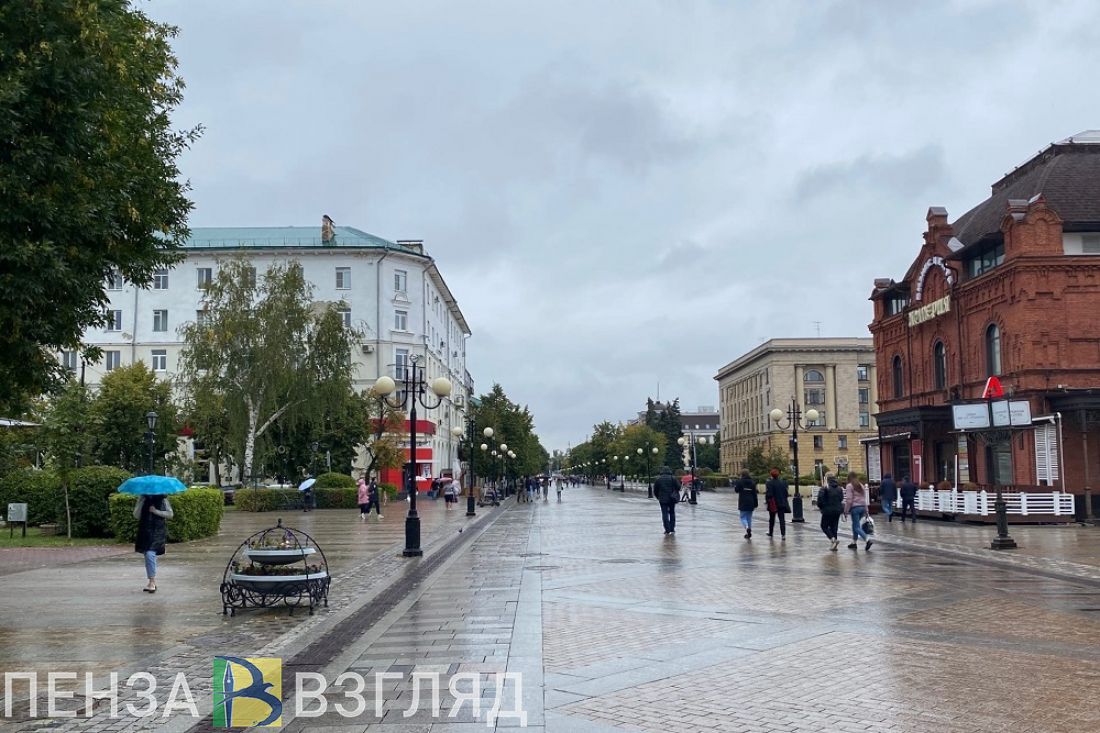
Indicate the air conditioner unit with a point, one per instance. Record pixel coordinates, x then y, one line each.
368 348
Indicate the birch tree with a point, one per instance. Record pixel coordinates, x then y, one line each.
273 353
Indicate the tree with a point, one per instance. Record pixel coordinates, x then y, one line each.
66 438
274 355
512 425
759 464
118 413
387 437
668 422
707 455
205 416
640 437
88 174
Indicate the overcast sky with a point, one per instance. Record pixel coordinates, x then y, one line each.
621 193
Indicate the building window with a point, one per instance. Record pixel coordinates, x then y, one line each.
899 378
345 316
401 320
992 351
815 396
112 360
842 442
343 278
896 304
400 280
939 365
204 276
864 419
986 259
68 360
114 280
863 373
114 320
160 360
813 375
401 361
819 442
160 280
160 321
864 396
820 421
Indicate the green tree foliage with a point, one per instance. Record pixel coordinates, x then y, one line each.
88 174
204 414
514 426
640 437
67 439
759 464
667 422
707 456
118 413
274 356
197 514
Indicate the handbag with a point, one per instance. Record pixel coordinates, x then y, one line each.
772 506
868 525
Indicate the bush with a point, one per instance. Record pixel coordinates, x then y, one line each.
389 489
90 489
334 481
197 514
332 498
261 500
40 490
716 481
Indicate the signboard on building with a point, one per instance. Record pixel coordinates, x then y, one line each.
1011 413
970 416
935 309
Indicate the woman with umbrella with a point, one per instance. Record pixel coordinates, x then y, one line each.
152 512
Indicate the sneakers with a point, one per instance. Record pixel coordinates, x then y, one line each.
853 546
748 534
867 547
835 544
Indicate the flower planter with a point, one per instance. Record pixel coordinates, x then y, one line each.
273 556
283 585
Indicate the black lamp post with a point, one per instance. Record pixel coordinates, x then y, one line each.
683 441
794 421
468 434
414 390
150 436
649 450
620 459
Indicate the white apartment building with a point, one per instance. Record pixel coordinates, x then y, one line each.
393 293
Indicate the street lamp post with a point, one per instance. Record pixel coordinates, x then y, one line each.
150 436
702 440
414 390
794 421
468 434
649 450
622 472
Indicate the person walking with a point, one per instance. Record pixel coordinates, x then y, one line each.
450 492
775 497
374 498
855 507
559 483
830 502
908 491
667 492
888 496
363 499
747 501
152 513
546 489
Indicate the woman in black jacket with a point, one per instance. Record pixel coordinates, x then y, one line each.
775 497
152 513
747 501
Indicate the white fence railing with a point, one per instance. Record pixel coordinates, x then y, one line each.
981 502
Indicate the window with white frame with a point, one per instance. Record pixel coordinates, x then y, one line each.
842 442
160 321
160 279
863 372
1046 454
343 278
114 320
204 276
160 360
68 360
401 362
112 360
401 320
345 316
864 419
400 281
114 280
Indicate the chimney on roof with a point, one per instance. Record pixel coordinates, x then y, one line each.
328 230
417 245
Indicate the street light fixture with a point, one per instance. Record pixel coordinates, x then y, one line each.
794 421
150 436
414 390
468 434
702 440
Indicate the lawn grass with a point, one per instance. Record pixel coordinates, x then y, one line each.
35 538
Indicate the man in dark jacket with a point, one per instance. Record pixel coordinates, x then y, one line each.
667 492
830 502
908 493
775 497
747 501
888 496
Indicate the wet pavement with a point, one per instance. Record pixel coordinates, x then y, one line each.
611 625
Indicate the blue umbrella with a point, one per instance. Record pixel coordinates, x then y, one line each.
152 485
306 484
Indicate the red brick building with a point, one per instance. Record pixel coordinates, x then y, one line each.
1009 289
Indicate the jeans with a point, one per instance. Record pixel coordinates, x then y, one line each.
150 564
746 518
888 509
782 523
857 519
908 505
830 525
668 515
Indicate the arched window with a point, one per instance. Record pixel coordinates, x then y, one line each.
813 375
939 365
992 351
899 378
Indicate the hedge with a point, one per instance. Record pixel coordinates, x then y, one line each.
40 490
90 489
334 481
341 498
389 489
197 513
268 500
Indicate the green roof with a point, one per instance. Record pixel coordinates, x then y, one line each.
280 237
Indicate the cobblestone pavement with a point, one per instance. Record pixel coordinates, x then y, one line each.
613 626
20 559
